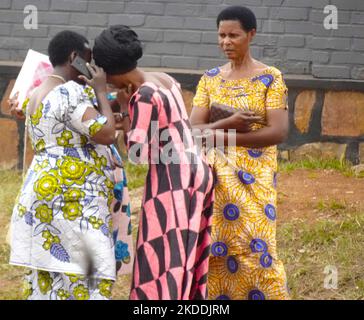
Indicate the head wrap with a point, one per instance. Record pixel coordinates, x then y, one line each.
117 50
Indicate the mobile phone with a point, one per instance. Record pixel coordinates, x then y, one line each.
80 65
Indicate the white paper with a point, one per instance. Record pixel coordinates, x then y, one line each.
36 67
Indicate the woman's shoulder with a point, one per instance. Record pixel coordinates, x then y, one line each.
69 88
274 71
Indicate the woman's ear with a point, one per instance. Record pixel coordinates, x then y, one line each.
72 56
252 34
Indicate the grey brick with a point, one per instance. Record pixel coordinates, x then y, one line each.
298 3
18 55
347 58
289 13
5 4
244 2
206 64
265 40
186 36
213 11
186 10
11 16
5 29
357 73
349 31
14 43
298 27
4 54
260 12
274 52
145 8
164 22
272 3
191 1
20 31
320 4
106 7
201 50
180 62
40 44
272 26
200 23
320 57
149 35
150 61
319 30
357 17
41 5
295 67
256 52
327 71
299 54
164 48
93 32
54 18
70 6
53 30
358 44
319 16
329 43
291 41
88 19
348 4
127 19
210 37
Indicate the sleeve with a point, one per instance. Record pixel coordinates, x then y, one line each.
277 93
144 123
201 98
77 104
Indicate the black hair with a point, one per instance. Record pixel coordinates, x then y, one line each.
62 45
117 49
244 15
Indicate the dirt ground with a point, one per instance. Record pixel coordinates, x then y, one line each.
304 194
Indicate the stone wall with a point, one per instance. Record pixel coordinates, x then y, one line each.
182 33
326 118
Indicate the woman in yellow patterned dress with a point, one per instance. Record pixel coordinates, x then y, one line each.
243 260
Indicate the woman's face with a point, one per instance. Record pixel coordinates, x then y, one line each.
233 39
118 81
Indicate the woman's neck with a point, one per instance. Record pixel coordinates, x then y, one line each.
62 72
242 63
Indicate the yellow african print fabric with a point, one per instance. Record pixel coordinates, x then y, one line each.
243 259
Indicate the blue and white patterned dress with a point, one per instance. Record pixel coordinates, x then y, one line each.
73 205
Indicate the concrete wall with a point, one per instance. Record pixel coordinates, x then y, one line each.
182 33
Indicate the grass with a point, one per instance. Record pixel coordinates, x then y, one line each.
135 175
306 249
10 277
317 164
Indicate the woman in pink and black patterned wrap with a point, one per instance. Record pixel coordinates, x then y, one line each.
174 231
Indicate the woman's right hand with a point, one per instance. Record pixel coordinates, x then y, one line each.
98 80
242 121
15 110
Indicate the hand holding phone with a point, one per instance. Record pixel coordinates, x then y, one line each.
97 80
80 65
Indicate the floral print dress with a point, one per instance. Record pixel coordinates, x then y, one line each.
71 221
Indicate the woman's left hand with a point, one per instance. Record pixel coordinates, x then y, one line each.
98 80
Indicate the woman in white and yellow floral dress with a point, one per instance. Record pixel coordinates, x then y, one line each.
62 223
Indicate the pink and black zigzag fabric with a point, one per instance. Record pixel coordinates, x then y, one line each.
173 244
